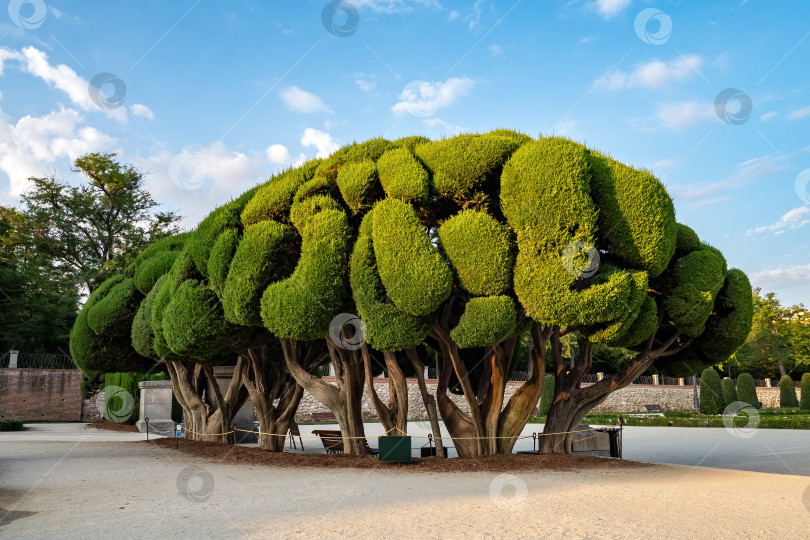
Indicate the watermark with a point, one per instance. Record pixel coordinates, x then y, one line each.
340 18
512 500
27 14
803 186
580 259
653 26
739 410
186 172
118 404
356 339
733 106
103 82
195 484
420 98
806 498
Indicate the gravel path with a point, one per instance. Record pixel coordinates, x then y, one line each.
84 489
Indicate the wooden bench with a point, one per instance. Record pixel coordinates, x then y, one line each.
332 441
324 417
295 431
653 408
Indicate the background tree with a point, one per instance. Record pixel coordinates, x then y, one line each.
747 390
94 229
37 302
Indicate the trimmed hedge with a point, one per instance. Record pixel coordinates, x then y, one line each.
11 425
729 392
804 404
787 392
413 272
730 321
486 320
547 397
479 248
693 285
747 390
273 199
711 392
356 181
402 176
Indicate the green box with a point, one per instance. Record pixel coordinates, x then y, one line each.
395 449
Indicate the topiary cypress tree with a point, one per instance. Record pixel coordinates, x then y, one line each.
804 404
747 390
787 392
711 392
729 392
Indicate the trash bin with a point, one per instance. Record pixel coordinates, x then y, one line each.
395 449
613 433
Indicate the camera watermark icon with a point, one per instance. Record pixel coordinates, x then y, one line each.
653 26
420 98
353 341
500 491
195 484
186 171
118 404
27 14
110 100
741 409
340 18
726 110
802 186
580 259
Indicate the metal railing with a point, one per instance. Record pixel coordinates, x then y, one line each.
39 361
519 376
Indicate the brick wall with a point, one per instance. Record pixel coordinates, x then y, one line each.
40 394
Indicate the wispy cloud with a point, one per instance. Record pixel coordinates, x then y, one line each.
782 278
798 114
394 6
792 219
683 114
421 98
302 101
609 8
655 74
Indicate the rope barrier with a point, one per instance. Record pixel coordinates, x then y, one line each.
517 437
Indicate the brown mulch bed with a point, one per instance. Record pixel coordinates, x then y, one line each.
113 426
497 463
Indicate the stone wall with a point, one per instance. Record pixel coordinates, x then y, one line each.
629 399
44 395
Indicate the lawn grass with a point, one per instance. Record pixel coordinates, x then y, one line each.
790 418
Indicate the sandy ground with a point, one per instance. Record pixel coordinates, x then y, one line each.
85 489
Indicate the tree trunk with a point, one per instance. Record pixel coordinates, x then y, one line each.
344 400
266 381
428 400
394 416
203 422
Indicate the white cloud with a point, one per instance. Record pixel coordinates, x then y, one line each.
302 101
61 77
684 114
782 278
609 8
278 154
799 113
474 18
792 219
654 74
453 15
442 126
35 144
495 50
421 98
366 86
768 116
322 141
565 127
747 173
394 6
142 110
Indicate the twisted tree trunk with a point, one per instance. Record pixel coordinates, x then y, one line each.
428 400
266 380
204 422
394 416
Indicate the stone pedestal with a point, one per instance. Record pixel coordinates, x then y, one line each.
244 417
591 442
156 405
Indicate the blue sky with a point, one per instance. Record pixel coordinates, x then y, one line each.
212 97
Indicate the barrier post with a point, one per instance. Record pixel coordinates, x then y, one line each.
176 437
235 445
147 429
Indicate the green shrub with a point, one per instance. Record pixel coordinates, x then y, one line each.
479 249
123 407
402 176
11 425
273 199
142 335
547 397
486 320
413 272
219 263
642 327
805 400
686 241
711 392
356 181
463 164
747 390
693 285
787 392
730 321
411 142
388 328
729 392
636 215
